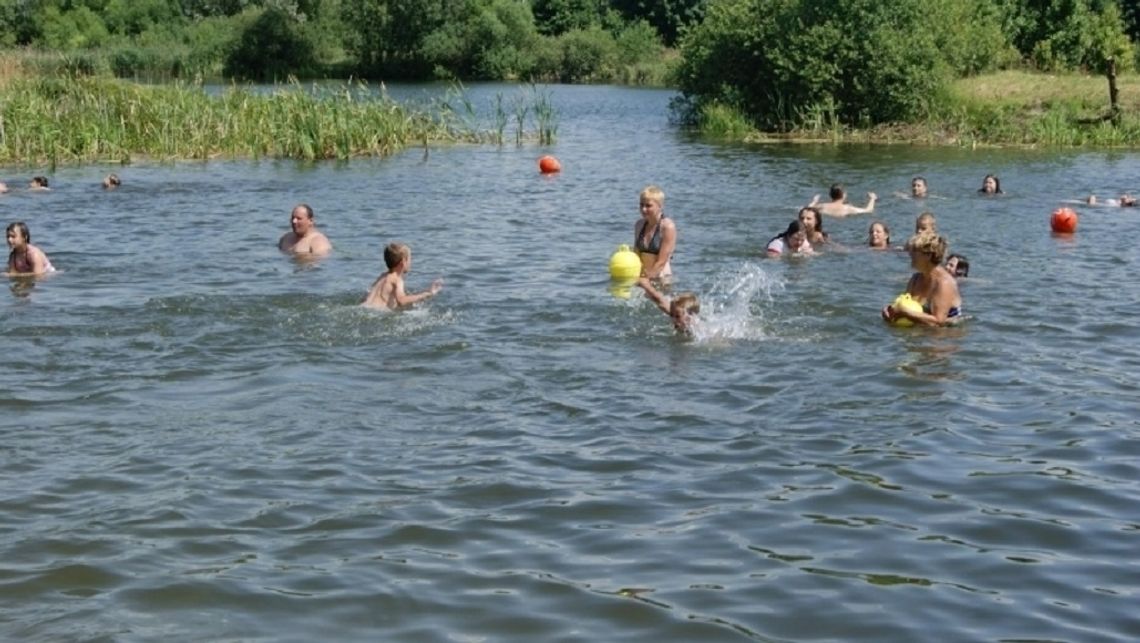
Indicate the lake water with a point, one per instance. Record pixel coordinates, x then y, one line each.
202 439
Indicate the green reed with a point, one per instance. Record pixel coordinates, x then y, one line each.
64 119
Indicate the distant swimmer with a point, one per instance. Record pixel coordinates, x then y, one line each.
304 239
991 186
654 235
682 309
926 222
3 187
790 241
918 188
958 266
25 259
838 206
387 291
879 236
813 227
39 183
1125 201
111 181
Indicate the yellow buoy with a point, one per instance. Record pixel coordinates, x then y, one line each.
625 264
907 303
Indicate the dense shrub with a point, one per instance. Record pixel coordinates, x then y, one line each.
588 54
869 61
271 48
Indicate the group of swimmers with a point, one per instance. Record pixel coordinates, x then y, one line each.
933 285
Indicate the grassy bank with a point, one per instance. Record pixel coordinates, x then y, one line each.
1006 108
67 119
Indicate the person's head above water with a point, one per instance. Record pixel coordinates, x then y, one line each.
925 223
837 193
810 218
927 245
111 181
682 309
918 187
991 185
879 236
958 266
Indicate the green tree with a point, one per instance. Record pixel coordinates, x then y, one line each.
668 17
271 49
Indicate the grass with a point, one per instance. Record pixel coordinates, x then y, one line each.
65 119
1009 108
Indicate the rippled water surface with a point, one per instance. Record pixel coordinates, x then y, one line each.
203 439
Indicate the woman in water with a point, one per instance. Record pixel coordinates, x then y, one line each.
25 259
932 285
654 235
990 185
879 236
813 227
790 241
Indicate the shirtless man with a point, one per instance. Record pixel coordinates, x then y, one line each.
838 206
305 239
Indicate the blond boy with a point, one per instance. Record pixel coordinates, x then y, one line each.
682 309
387 291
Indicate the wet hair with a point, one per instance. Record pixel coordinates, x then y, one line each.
963 267
41 181
686 301
886 231
997 184
836 192
396 252
112 180
1127 201
919 178
306 208
653 193
23 228
795 226
818 219
924 217
931 244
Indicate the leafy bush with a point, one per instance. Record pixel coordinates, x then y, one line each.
271 48
871 61
587 54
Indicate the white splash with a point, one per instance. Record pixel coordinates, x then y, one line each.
733 306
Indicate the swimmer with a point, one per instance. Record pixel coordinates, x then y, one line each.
813 227
25 259
3 187
39 183
926 223
111 181
918 187
838 206
305 239
879 236
958 266
790 241
387 291
991 185
1125 201
932 285
682 309
654 235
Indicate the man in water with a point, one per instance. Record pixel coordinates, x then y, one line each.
305 239
838 206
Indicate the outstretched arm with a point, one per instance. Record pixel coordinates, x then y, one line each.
655 295
404 299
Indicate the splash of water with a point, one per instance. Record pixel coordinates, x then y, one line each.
728 311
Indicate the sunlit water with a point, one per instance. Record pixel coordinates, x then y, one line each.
202 439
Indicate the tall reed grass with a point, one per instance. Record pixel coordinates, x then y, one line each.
81 119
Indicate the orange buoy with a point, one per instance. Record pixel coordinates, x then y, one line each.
549 165
1064 221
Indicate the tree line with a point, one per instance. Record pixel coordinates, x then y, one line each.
552 40
778 62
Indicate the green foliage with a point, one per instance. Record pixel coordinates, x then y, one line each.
556 17
869 61
271 48
587 55
668 17
1069 34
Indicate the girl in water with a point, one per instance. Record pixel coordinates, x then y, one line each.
654 235
790 241
879 236
932 285
813 227
25 259
990 185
